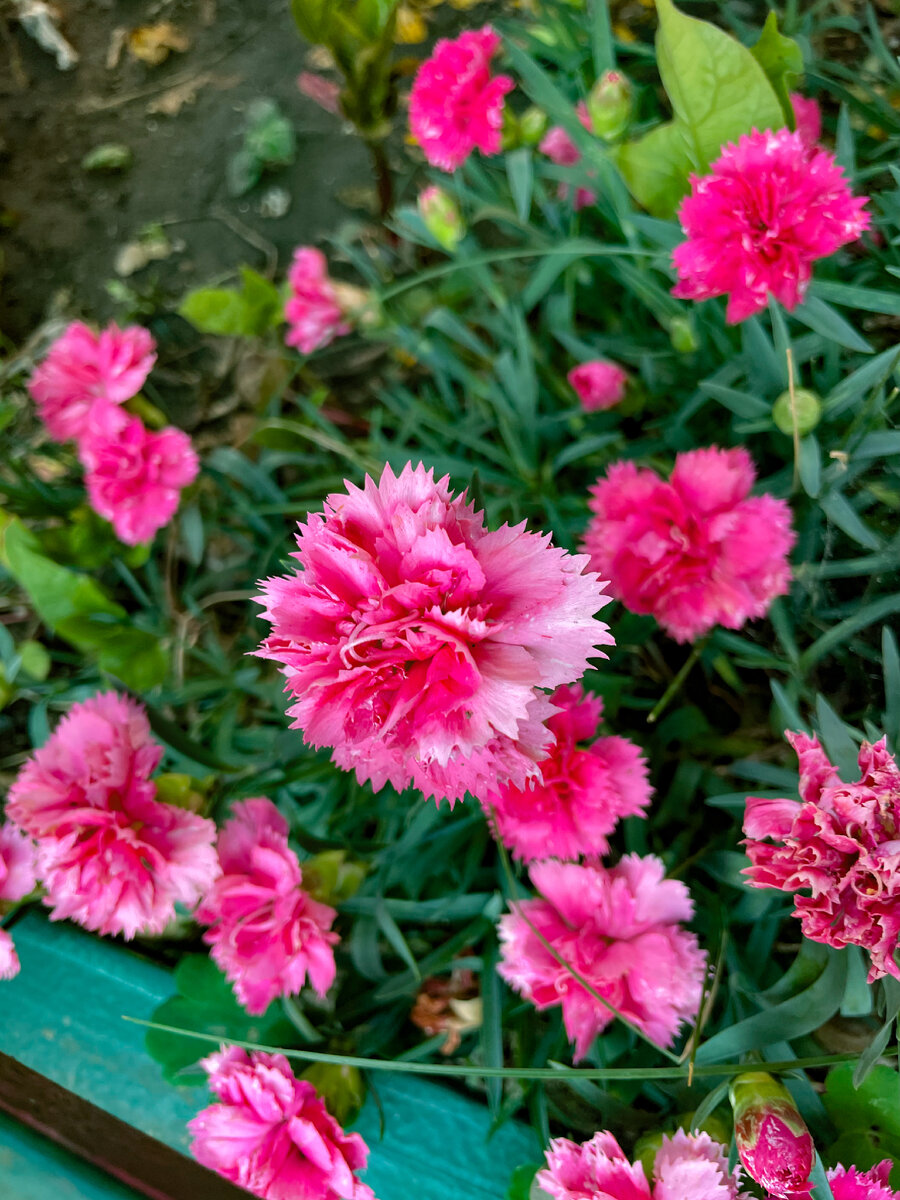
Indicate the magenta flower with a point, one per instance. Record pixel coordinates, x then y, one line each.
808 120
134 478
619 927
695 552
599 384
111 857
456 105
853 1184
415 642
17 879
561 150
840 843
768 208
267 933
86 375
581 794
313 311
271 1134
687 1167
775 1146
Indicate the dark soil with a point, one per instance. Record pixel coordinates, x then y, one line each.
64 227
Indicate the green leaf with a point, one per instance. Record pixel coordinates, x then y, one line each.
342 1088
782 60
809 465
873 1106
520 1185
215 310
890 657
838 509
520 172
717 88
656 168
840 746
313 18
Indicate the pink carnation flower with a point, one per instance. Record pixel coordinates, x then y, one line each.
86 375
456 105
840 843
808 120
267 933
599 384
313 311
134 478
768 208
695 552
619 928
582 793
687 1167
562 151
415 641
271 1134
17 879
111 857
853 1184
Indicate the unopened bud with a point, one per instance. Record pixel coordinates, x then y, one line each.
442 217
775 1146
682 335
806 408
609 105
532 125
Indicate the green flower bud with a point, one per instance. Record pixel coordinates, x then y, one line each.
609 105
442 217
682 335
532 125
808 409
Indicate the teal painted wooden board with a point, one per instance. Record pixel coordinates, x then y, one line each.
62 1017
34 1168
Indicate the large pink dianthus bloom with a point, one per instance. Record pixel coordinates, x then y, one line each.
687 1167
599 384
271 1134
313 310
839 842
134 478
86 375
415 641
695 552
17 879
110 856
456 105
582 793
267 933
769 207
563 152
849 1183
618 927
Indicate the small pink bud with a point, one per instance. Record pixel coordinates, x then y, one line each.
442 217
599 384
609 105
775 1146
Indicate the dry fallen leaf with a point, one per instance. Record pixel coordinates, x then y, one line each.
152 44
171 102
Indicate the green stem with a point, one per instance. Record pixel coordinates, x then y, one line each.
687 667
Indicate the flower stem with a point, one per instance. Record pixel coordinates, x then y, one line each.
676 683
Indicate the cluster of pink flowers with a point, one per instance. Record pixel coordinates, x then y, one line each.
839 842
110 855
852 1184
17 879
687 1167
415 642
619 928
599 384
267 934
313 310
134 476
769 207
581 794
695 552
456 105
270 1133
561 150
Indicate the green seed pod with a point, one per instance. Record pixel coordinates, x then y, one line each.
808 408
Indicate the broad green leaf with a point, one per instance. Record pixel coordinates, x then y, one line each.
875 1104
656 168
717 88
215 310
341 1087
782 60
313 18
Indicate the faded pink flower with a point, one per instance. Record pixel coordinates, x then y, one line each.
839 842
17 879
687 1167
756 223
581 795
415 641
110 856
9 960
270 1133
456 105
134 478
619 928
599 384
267 933
561 150
775 1146
313 311
849 1183
695 552
808 120
86 375
325 92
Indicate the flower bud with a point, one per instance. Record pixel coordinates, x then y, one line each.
682 335
807 407
442 217
532 125
775 1146
609 105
